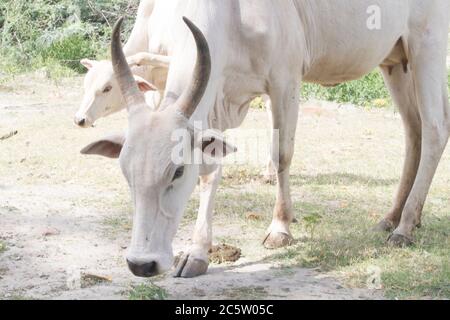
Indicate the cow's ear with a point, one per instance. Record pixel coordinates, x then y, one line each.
144 85
109 147
214 145
88 64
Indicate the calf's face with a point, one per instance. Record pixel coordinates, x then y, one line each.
102 95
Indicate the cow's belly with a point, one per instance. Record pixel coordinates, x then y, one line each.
328 72
344 45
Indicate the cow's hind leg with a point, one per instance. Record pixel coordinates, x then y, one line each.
430 83
195 262
401 87
284 117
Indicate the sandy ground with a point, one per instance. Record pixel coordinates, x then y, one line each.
60 211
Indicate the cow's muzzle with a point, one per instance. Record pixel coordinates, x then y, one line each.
144 270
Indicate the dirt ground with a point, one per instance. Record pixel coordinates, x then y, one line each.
60 211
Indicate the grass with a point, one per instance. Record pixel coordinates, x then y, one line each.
344 174
2 247
245 293
334 235
147 291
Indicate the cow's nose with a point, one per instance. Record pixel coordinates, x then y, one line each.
80 122
145 270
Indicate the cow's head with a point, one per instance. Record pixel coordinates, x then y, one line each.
160 187
102 95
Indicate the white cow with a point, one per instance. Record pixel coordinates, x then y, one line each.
270 47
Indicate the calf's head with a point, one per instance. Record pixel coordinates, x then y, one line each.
160 182
102 95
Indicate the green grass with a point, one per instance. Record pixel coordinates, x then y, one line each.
336 215
335 236
2 247
246 293
147 292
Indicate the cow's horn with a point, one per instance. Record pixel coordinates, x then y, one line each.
125 79
190 98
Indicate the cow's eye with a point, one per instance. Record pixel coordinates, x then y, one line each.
178 173
107 89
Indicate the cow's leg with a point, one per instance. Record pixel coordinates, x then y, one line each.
285 103
270 173
401 87
195 261
430 83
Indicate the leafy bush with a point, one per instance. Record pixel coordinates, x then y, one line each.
368 91
69 51
36 34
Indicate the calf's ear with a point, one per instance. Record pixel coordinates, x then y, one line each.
88 64
144 85
109 147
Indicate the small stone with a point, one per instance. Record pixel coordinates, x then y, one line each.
50 232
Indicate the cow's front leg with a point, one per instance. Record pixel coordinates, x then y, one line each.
284 117
195 262
270 173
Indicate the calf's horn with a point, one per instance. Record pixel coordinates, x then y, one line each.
125 79
191 96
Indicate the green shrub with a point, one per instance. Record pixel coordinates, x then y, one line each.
59 32
368 91
69 51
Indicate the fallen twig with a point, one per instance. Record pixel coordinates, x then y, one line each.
9 135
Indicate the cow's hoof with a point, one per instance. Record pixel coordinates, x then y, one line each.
275 240
384 226
189 267
398 240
